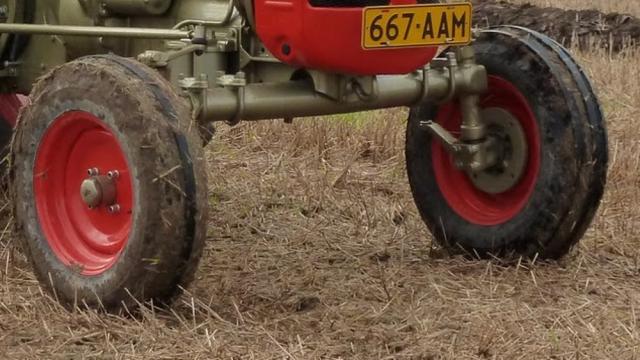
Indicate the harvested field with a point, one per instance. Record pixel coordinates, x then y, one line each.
586 28
316 251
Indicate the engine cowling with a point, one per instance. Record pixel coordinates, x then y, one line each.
328 36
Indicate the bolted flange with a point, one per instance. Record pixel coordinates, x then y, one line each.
509 150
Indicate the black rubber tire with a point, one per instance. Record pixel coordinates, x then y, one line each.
153 127
573 153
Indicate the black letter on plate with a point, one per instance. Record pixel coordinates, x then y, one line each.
459 24
428 27
443 31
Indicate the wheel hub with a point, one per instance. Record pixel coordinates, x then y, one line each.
510 149
472 200
98 191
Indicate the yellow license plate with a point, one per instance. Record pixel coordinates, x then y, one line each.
416 25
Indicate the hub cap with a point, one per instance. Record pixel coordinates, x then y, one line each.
500 193
75 205
98 191
510 147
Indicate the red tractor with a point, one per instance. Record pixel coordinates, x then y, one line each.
506 145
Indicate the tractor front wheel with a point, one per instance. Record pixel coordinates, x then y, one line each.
542 195
109 184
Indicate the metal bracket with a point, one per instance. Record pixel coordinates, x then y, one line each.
158 59
365 88
344 88
228 42
238 82
466 80
452 65
472 157
195 89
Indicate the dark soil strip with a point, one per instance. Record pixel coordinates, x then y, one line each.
585 28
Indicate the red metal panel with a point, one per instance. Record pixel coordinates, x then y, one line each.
329 39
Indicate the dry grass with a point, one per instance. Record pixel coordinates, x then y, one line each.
316 251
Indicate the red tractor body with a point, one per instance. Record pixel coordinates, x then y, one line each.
330 39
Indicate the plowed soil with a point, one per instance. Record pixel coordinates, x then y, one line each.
586 28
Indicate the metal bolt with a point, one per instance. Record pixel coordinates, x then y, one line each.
114 209
113 174
93 172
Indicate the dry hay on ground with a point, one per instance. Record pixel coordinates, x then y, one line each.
316 251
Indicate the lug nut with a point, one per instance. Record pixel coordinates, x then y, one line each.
93 172
113 209
113 174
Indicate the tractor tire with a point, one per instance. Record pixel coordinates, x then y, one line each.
109 185
554 194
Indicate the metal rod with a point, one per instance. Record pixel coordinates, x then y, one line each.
292 99
139 33
299 99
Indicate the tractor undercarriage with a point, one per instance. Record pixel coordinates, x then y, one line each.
506 145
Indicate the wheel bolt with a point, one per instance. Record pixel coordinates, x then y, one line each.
93 172
113 209
113 174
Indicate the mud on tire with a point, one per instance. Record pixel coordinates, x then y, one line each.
566 166
109 113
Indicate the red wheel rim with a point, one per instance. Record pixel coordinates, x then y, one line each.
461 194
89 239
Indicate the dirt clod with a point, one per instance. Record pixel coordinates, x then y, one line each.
306 303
